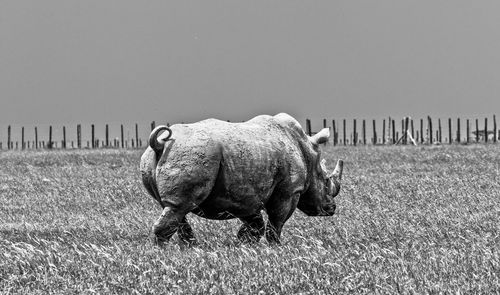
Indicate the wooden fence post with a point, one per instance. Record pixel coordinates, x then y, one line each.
364 132
401 137
153 125
389 122
8 137
412 130
36 138
308 127
383 131
393 132
122 137
22 139
477 130
458 130
136 135
333 131
468 130
374 133
485 130
402 130
107 135
334 128
79 136
93 135
429 122
450 138
405 135
345 136
494 129
355 135
421 130
439 132
64 137
49 144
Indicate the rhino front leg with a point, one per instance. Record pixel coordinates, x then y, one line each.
252 229
185 233
167 225
278 213
273 229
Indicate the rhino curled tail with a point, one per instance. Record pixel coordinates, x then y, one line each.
156 141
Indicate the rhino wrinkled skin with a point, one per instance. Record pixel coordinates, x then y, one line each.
221 170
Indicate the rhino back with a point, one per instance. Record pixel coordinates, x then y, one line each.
237 164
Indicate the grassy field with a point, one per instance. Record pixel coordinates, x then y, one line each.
409 220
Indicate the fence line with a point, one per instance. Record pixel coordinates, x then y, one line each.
423 135
407 133
80 142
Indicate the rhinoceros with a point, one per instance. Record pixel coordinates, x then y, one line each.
222 170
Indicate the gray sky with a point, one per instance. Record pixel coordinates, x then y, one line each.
126 61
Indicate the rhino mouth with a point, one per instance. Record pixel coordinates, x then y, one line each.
328 210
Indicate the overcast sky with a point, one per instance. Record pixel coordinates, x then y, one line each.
125 61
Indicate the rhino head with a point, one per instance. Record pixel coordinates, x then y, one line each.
318 199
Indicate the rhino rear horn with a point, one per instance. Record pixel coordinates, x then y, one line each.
337 173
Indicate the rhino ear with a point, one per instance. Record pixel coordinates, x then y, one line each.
320 137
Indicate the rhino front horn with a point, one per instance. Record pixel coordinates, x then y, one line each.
337 173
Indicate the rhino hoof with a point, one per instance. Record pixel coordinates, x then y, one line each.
192 242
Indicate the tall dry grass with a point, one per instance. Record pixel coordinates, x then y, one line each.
409 220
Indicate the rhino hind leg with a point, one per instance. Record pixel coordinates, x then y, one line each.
167 224
185 233
253 228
